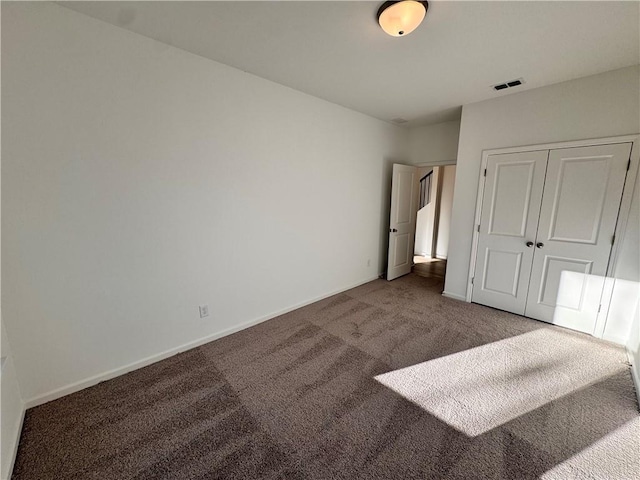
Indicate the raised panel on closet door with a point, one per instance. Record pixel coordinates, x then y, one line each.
509 218
580 204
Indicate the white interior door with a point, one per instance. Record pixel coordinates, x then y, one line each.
402 222
581 199
510 208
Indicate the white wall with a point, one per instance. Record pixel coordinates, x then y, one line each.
12 408
446 204
625 301
140 181
436 143
597 106
424 219
11 403
626 289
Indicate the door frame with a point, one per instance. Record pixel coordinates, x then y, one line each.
436 219
439 163
623 212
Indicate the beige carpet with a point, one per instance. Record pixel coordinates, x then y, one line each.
386 381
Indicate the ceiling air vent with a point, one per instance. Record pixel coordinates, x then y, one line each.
511 84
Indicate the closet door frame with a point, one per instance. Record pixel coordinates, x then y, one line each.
623 214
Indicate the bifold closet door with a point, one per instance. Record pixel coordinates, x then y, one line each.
580 204
510 209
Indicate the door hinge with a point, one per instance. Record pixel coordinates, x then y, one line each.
628 165
485 172
472 278
613 239
478 228
599 307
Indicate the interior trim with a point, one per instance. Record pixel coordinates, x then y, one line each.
626 194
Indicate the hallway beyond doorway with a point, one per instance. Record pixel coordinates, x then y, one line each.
429 267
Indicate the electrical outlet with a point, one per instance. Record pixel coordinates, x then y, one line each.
204 311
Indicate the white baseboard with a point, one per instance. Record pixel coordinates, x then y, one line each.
615 339
441 257
636 382
635 375
455 296
14 449
116 372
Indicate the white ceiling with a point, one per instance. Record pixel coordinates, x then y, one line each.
337 51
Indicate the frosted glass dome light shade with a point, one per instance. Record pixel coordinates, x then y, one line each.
399 19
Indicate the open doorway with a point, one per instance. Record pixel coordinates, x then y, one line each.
422 192
433 220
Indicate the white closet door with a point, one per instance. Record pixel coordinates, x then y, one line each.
580 204
510 208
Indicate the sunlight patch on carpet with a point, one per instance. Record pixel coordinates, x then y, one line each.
479 389
616 455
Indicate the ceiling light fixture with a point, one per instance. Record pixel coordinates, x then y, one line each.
399 19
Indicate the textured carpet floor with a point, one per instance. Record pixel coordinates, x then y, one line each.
386 381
